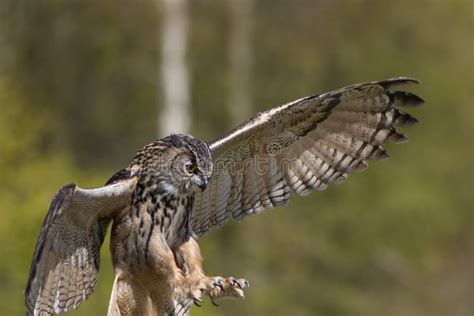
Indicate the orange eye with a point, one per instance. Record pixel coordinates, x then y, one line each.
190 167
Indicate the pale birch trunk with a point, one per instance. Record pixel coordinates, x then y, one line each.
175 116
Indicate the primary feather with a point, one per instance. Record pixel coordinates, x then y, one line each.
302 146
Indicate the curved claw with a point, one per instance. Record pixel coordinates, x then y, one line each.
214 303
219 283
197 301
241 283
235 283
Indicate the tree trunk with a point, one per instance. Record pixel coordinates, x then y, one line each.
175 114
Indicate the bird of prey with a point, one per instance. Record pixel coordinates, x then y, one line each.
178 188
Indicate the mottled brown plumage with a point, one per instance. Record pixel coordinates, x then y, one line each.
178 188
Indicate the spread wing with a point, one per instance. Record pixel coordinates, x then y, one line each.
301 146
66 259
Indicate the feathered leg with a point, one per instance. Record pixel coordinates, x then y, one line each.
128 299
189 260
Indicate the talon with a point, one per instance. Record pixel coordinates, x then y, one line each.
235 283
218 282
197 301
244 283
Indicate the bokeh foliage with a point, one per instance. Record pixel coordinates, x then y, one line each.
80 93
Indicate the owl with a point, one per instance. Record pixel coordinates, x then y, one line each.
178 188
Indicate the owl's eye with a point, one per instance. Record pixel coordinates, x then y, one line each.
190 167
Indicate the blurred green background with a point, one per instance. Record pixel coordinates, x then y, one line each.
80 92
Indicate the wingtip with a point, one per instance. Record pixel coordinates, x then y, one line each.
409 99
409 80
398 81
418 100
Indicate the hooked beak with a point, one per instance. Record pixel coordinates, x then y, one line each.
203 182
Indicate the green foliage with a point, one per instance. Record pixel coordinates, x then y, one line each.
78 95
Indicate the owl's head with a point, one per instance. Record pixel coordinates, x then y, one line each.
177 163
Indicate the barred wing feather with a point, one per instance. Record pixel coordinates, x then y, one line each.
300 147
66 259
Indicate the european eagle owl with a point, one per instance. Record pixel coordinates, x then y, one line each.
178 188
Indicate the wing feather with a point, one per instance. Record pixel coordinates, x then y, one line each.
67 255
302 146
